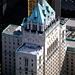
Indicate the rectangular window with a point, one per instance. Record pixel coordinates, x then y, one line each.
26 61
40 59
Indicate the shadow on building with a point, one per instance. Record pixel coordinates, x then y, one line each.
63 68
68 8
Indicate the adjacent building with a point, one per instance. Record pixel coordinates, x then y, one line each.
37 47
56 5
70 41
11 40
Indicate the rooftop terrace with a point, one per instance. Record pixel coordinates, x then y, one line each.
29 49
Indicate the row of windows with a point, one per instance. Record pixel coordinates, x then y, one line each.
9 55
9 46
9 58
13 43
70 73
55 43
31 59
32 40
10 67
13 39
26 71
9 52
9 62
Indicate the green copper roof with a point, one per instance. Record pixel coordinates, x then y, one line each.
41 13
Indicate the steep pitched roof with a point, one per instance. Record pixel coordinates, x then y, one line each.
41 13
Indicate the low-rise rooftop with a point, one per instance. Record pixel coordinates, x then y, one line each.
70 43
70 23
12 30
70 34
71 46
29 49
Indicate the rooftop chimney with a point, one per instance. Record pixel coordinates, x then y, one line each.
41 2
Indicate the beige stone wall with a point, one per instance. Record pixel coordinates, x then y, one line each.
62 53
52 52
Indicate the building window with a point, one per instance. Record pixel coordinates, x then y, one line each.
14 43
67 68
26 69
5 62
18 44
9 51
5 41
9 62
32 60
26 72
9 58
72 66
26 61
40 59
71 62
67 58
14 55
20 58
20 68
71 69
5 58
31 73
14 59
5 51
9 54
10 66
9 42
32 64
71 59
5 54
